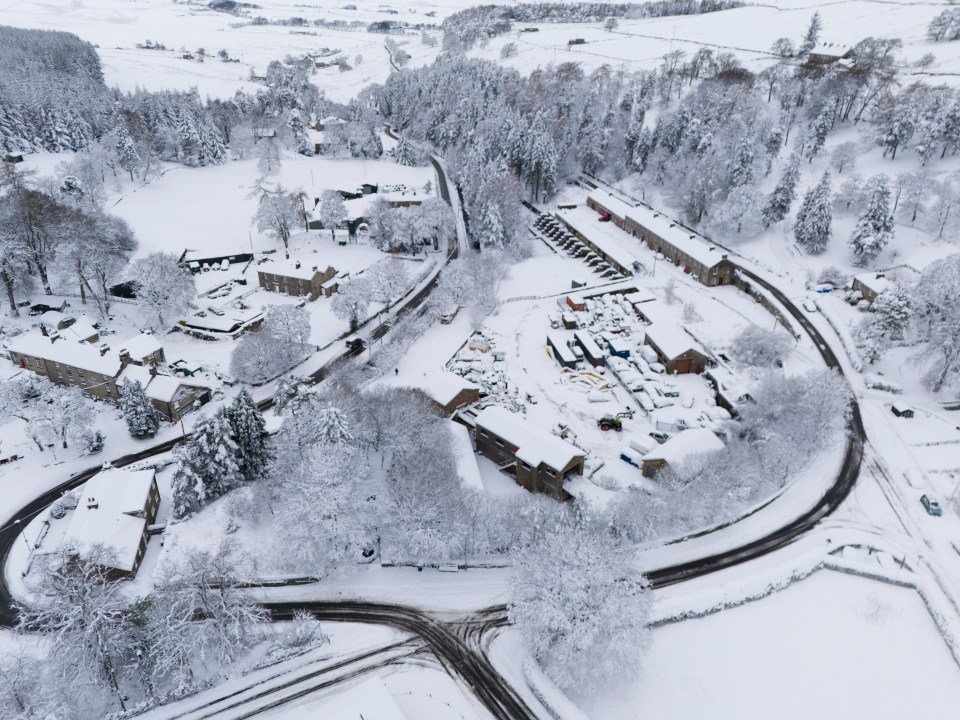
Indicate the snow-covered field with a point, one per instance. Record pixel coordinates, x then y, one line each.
117 26
830 646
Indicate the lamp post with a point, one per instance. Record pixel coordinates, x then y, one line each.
23 534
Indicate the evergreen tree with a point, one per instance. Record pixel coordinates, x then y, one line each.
892 310
874 227
742 171
811 37
301 143
143 421
812 228
540 159
248 430
127 155
781 199
208 465
406 154
818 132
188 140
332 427
212 149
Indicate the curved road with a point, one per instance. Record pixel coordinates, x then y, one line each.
463 655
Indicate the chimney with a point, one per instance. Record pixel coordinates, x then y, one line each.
153 370
54 336
124 358
43 330
104 349
92 503
298 265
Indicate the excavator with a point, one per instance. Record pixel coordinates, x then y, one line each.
614 422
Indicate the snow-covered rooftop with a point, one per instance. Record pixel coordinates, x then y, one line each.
442 387
160 386
106 516
533 445
140 346
301 269
80 331
640 295
467 467
671 340
687 443
67 351
877 282
611 240
684 239
136 373
587 342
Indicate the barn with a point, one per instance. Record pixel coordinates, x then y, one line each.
678 448
542 462
677 351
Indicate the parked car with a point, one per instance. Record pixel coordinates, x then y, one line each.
658 435
931 506
810 306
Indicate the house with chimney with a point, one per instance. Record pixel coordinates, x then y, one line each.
110 523
94 368
173 397
297 278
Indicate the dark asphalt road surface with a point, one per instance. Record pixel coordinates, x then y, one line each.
463 655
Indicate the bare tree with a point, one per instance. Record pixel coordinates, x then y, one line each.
279 214
163 287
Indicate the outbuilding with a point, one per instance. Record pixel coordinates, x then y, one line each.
591 351
561 351
678 448
678 352
542 461
901 410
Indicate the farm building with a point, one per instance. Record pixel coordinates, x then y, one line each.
602 241
678 352
116 507
827 53
198 261
871 284
729 392
93 369
171 396
591 351
679 244
561 350
678 448
467 467
448 391
542 461
619 347
295 278
901 410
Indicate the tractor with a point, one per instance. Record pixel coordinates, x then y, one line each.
614 422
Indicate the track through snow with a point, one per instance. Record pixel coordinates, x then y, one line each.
461 649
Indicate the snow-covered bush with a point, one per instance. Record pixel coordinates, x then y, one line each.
579 605
759 347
